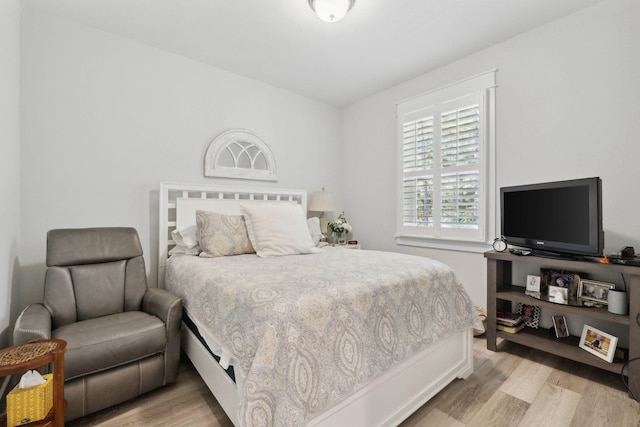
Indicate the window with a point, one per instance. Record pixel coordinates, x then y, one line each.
445 139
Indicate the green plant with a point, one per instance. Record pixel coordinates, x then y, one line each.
340 225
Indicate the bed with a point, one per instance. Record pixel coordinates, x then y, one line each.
331 337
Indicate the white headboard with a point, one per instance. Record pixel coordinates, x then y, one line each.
178 203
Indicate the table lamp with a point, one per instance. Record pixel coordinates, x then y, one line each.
322 202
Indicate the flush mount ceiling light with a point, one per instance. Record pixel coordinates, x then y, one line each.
331 10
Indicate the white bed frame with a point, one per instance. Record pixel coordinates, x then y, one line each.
385 401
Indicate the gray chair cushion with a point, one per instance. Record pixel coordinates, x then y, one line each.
98 288
99 344
75 246
93 272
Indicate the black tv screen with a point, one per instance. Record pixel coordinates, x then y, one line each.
563 217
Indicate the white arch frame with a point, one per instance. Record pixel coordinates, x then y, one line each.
242 146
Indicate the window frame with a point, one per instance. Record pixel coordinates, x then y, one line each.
482 88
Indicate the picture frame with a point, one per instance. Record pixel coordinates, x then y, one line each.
533 284
591 290
560 326
558 295
598 343
562 279
530 314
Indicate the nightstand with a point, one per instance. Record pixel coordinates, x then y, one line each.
349 246
32 355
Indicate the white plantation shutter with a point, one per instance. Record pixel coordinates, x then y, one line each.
418 201
460 136
418 156
443 165
460 193
460 184
418 144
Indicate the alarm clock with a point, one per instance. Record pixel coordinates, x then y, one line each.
500 244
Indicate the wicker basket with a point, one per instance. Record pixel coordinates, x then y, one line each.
30 404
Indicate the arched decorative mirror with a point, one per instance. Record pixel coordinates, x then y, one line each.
240 153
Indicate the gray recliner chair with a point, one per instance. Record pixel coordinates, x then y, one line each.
123 339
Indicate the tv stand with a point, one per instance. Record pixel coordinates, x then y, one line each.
502 291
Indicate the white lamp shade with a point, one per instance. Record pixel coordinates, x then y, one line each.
322 202
331 10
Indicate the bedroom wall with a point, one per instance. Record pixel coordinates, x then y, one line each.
9 160
567 107
107 119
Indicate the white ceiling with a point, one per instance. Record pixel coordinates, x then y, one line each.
379 44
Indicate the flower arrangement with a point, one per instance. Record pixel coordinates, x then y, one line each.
341 225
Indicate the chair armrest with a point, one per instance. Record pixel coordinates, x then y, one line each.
168 308
164 305
33 322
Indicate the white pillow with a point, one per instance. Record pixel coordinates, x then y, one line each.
187 236
185 250
278 229
314 229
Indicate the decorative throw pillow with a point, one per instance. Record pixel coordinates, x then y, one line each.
314 229
278 229
222 235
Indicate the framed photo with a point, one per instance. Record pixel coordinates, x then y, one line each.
530 314
560 326
558 295
562 279
533 283
598 343
598 292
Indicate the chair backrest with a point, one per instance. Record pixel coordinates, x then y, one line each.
93 272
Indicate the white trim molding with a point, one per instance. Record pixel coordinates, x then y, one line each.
425 180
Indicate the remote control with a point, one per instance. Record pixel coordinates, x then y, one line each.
522 252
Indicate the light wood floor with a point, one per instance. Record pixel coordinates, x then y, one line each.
518 387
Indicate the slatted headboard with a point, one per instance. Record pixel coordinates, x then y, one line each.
222 199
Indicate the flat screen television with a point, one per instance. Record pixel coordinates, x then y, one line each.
563 217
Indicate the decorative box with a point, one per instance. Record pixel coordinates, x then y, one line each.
30 404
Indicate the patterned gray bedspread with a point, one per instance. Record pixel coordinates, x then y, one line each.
305 331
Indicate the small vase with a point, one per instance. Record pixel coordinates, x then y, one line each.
338 239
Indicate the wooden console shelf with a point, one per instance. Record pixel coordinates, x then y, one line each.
501 292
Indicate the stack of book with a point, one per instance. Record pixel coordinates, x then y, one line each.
509 322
